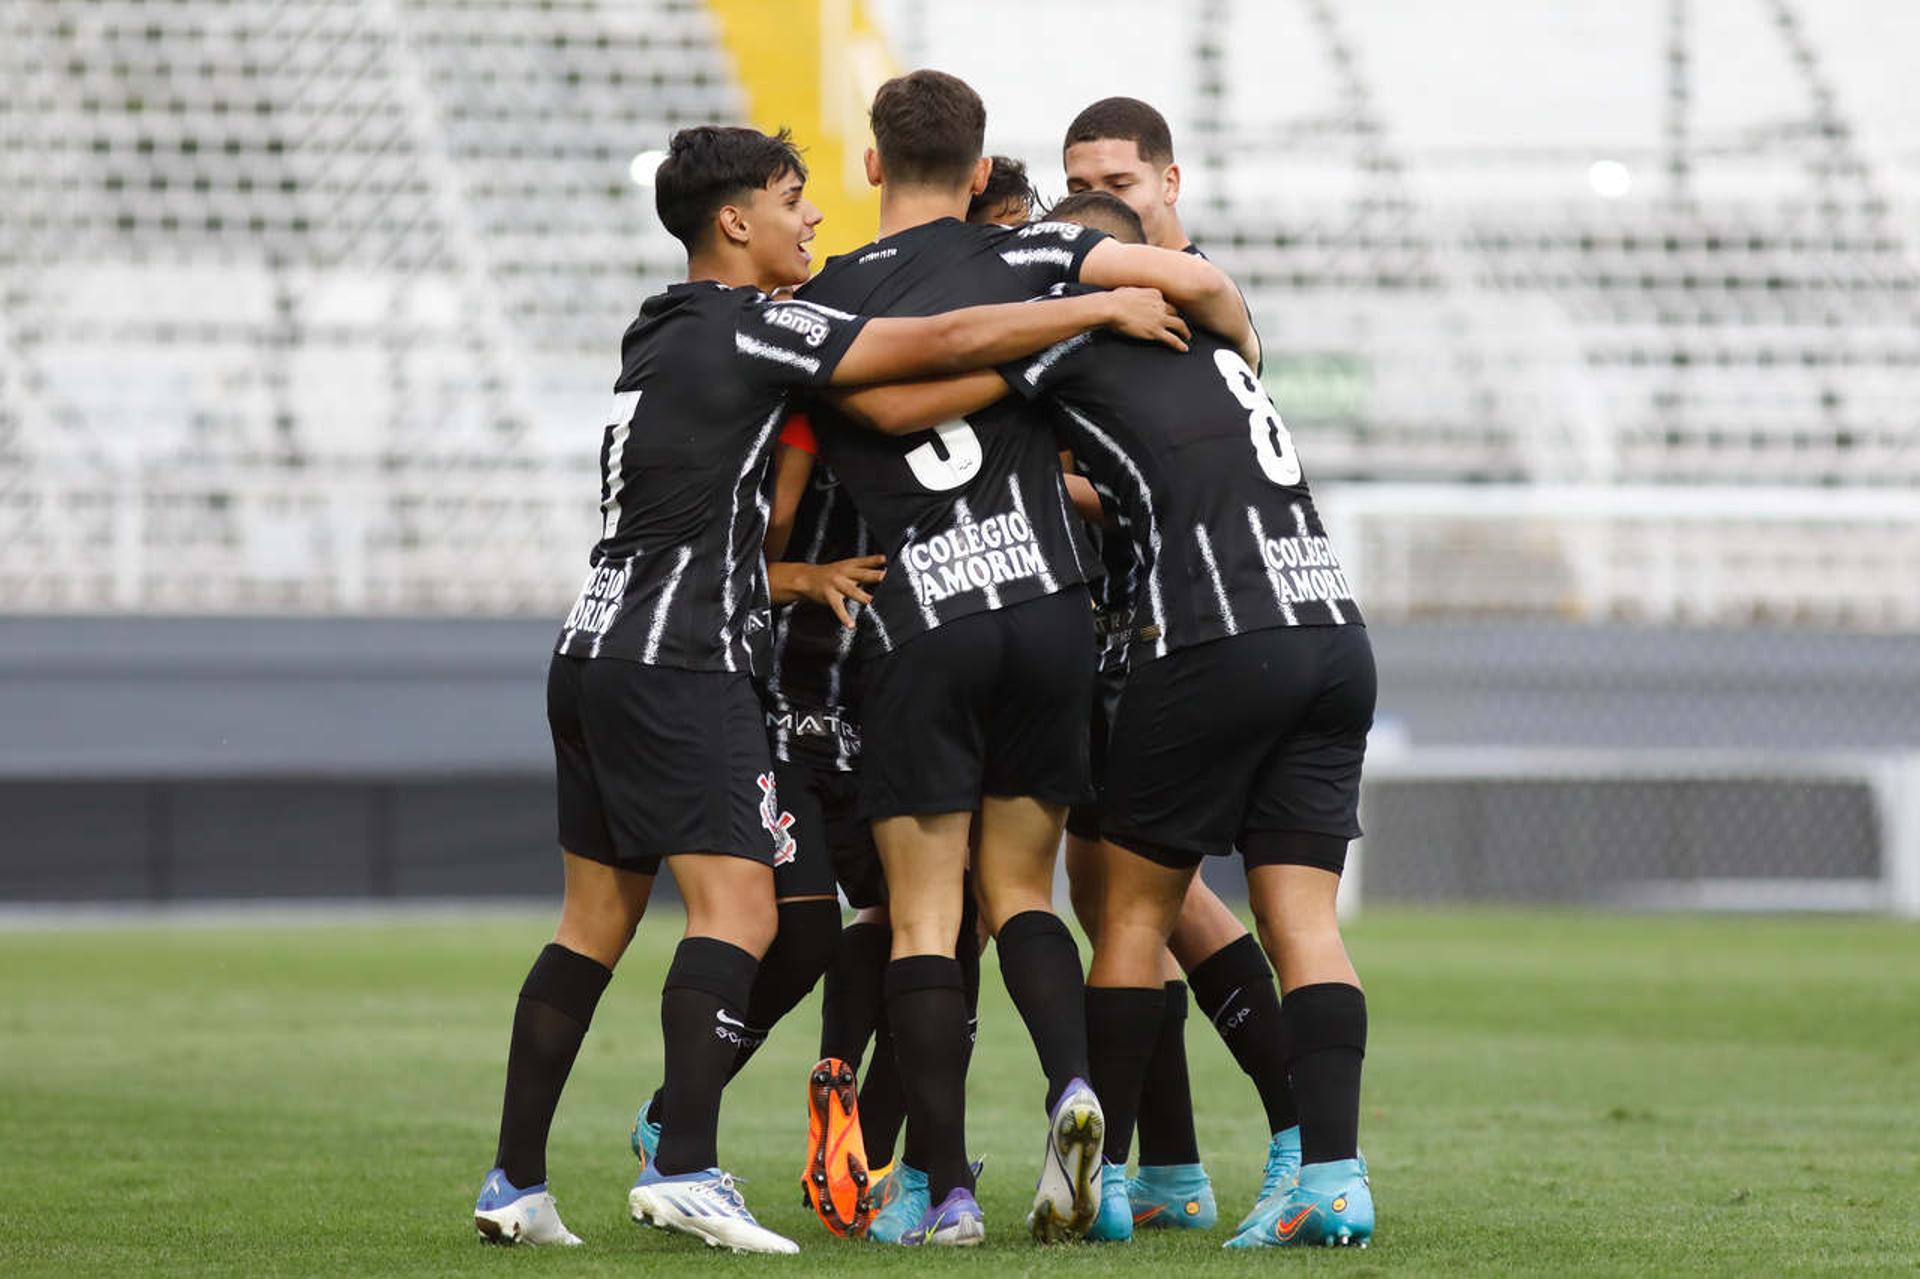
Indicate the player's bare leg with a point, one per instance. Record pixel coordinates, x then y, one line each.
1040 963
1324 1028
600 908
1205 927
599 911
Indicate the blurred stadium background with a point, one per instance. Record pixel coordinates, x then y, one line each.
1598 323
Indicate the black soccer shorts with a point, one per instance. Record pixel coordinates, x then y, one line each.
833 840
1083 819
1254 741
995 703
654 761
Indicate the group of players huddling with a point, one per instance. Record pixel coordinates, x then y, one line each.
892 572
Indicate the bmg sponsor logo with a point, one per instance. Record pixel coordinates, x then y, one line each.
796 319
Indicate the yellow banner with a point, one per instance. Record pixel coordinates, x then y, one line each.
812 66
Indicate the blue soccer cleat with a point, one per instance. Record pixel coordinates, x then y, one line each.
645 1137
1172 1197
706 1205
506 1214
1114 1223
1329 1205
902 1196
956 1223
1283 1165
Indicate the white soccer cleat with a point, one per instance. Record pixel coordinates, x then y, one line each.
506 1214
1067 1197
706 1205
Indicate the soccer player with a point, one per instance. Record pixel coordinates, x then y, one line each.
1122 146
973 693
1243 721
814 732
659 742
1008 197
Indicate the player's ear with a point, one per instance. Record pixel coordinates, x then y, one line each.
733 226
982 170
872 161
1170 184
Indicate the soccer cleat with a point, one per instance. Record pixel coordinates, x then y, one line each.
1067 1197
506 1214
645 1137
1172 1197
1329 1205
1114 1223
706 1205
901 1196
835 1183
1283 1165
956 1223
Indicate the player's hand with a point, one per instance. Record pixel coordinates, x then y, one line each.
1144 314
836 583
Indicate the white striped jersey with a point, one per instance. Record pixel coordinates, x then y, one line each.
971 515
678 576
813 684
1199 475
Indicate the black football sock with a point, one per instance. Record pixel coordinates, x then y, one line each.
1166 1096
967 951
1234 988
928 1016
883 1102
851 1005
702 1020
1326 1034
801 951
1041 965
556 1007
1122 1025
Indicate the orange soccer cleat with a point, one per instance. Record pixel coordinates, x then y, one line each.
835 1180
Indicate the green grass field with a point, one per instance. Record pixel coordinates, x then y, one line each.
1547 1093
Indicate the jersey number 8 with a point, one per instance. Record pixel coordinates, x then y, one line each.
1271 443
949 460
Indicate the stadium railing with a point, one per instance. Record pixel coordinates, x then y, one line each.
1734 831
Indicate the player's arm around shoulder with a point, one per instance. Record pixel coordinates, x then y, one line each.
891 349
1190 282
901 408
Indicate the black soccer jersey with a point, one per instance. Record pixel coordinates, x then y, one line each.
813 714
678 576
1202 479
972 515
1114 594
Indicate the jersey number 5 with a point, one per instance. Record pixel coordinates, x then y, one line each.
948 460
1271 443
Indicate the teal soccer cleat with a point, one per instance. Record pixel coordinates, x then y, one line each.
1283 1165
904 1202
1172 1197
1114 1223
1330 1205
